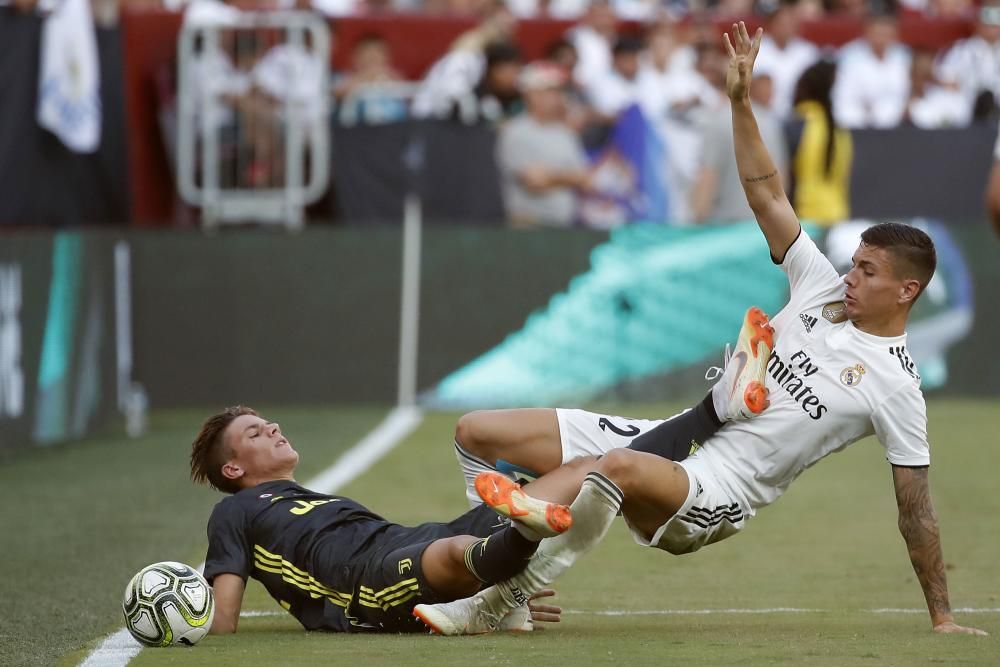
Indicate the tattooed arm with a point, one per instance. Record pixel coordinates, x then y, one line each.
919 525
760 178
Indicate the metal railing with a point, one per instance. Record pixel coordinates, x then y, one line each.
253 117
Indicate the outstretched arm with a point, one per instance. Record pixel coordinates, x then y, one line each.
758 173
228 590
919 526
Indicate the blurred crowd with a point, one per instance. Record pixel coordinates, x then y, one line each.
554 113
626 10
556 116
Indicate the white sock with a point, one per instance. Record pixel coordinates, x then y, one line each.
471 466
594 510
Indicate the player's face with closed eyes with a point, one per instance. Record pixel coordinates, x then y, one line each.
873 289
258 446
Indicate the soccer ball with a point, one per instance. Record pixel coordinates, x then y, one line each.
168 603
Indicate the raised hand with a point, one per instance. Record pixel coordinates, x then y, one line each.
742 54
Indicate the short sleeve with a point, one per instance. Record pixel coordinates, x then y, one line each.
901 426
228 542
808 270
849 105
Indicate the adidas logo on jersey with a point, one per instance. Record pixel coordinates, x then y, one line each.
904 360
808 322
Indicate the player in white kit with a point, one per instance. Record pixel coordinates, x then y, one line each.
839 371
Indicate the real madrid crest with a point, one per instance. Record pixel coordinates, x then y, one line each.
851 375
835 312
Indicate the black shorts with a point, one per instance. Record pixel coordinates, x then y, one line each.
392 582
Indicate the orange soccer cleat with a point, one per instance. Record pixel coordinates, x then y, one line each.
746 370
507 498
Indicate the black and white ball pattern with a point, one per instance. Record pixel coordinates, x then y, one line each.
168 603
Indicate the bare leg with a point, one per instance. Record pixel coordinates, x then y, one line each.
527 437
457 566
654 487
563 484
594 510
647 488
443 563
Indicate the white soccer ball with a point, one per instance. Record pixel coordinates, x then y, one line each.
168 603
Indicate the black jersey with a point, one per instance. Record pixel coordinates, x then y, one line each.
307 548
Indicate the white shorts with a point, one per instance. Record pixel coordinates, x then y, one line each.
709 514
581 433
585 433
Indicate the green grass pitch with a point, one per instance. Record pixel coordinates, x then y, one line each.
79 521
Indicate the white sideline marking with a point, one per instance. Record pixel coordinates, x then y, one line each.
766 610
119 647
358 459
115 651
255 613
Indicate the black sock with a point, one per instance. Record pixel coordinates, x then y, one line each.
499 556
709 406
680 436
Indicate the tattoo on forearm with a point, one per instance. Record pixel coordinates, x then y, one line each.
919 527
756 179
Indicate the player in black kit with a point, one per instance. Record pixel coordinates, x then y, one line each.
331 562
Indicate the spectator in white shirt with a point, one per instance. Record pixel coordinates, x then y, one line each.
973 65
636 10
699 95
453 78
785 55
556 9
670 85
621 88
932 105
873 77
593 38
717 194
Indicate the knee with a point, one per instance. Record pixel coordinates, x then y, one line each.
620 466
469 434
455 552
582 464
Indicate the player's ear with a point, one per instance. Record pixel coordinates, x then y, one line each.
908 291
231 470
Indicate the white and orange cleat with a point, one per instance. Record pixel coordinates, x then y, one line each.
471 616
506 497
741 394
468 616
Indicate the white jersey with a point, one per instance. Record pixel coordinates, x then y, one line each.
830 385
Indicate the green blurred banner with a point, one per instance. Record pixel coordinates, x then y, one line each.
655 300
507 317
660 303
56 337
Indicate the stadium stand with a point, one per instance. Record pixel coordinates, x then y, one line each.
143 75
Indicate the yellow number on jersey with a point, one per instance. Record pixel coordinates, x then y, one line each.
305 506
